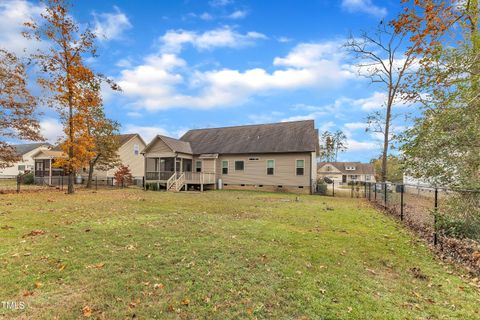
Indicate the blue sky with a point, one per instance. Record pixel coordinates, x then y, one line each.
194 64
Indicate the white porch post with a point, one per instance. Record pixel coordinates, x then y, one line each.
50 173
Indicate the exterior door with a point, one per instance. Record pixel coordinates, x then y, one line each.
344 178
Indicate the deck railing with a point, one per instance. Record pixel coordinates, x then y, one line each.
162 175
190 177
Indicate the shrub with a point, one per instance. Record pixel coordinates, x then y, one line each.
151 186
322 188
27 178
123 176
459 216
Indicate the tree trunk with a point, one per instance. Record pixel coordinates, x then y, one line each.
386 141
91 166
71 172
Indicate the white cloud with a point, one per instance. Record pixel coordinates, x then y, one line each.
175 40
284 39
165 81
375 102
111 26
364 6
238 14
51 129
220 3
355 145
355 125
13 13
206 16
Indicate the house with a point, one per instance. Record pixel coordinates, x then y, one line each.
277 156
345 172
26 162
129 149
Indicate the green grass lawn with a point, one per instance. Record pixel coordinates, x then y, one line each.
119 254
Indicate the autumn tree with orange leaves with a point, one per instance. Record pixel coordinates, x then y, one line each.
444 143
17 107
71 87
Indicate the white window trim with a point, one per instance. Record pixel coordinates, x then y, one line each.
228 167
235 167
300 175
266 167
201 165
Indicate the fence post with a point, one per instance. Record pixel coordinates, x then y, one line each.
352 189
333 188
435 237
369 191
96 183
18 183
375 191
365 190
385 193
401 202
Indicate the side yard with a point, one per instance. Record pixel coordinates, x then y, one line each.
127 253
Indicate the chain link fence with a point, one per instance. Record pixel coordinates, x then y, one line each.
449 219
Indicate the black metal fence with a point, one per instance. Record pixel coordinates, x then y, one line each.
23 183
448 218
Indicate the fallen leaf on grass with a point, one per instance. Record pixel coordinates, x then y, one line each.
371 271
27 293
34 233
158 286
96 266
185 302
87 312
38 284
61 267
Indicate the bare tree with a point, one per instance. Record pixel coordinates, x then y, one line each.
382 60
331 144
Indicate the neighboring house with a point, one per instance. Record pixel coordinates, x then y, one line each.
129 153
277 156
345 172
26 162
131 145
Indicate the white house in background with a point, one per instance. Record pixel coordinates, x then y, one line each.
26 162
345 172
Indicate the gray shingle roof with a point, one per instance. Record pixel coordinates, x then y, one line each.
176 145
297 136
21 149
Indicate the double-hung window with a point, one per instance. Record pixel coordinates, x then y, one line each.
270 167
224 166
198 166
239 165
300 167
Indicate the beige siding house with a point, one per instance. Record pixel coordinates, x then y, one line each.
129 152
26 162
278 156
345 172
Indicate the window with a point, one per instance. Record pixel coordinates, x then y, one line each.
198 166
225 167
239 165
350 168
270 167
328 168
300 166
21 168
367 178
136 149
253 159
